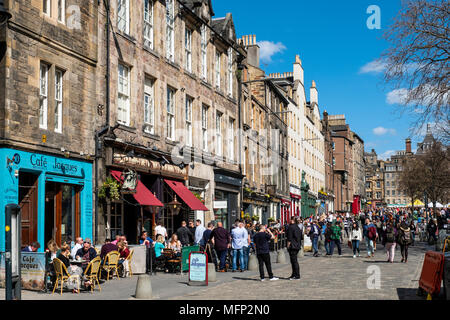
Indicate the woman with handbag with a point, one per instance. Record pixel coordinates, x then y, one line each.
356 237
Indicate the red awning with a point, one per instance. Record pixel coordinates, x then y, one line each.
187 196
142 195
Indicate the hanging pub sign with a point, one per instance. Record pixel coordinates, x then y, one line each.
198 269
129 181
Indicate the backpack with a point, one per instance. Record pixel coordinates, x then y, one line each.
372 234
406 236
390 235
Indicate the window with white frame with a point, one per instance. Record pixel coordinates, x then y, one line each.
171 114
47 7
204 45
58 100
43 96
123 95
170 26
149 106
217 69
230 72
205 127
148 24
219 133
231 140
188 112
61 11
188 49
123 16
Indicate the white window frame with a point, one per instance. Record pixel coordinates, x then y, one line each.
204 53
188 48
149 106
188 118
231 144
43 95
217 66
58 100
148 24
123 95
61 11
123 16
170 27
47 4
205 127
171 94
219 144
230 72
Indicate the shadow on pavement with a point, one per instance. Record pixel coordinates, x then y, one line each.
251 279
408 294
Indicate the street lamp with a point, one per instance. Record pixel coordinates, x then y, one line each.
174 207
4 13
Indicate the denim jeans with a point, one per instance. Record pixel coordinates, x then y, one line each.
369 244
355 245
336 242
315 242
246 256
222 258
241 258
327 247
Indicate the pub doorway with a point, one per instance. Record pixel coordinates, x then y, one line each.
62 212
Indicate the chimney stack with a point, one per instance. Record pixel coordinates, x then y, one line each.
313 93
252 50
298 70
408 145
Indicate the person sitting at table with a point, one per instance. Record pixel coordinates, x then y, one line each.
107 248
32 247
74 271
145 239
159 247
123 238
175 245
116 241
87 253
124 253
52 249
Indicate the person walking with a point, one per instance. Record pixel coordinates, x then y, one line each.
294 243
314 234
356 236
412 226
404 240
336 233
389 241
160 229
261 240
220 238
379 226
327 234
370 234
239 238
346 225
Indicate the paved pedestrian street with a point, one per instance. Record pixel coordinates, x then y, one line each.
324 277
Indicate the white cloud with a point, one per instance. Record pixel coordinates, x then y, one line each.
379 131
386 154
376 66
268 49
397 96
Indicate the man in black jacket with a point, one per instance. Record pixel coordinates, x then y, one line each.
184 234
294 238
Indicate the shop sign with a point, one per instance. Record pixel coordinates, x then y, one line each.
220 204
123 159
32 270
198 269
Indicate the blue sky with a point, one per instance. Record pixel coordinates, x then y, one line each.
336 48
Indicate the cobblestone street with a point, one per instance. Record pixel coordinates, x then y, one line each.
324 277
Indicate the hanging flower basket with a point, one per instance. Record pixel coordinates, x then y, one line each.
255 218
109 190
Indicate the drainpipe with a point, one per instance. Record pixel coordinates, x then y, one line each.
240 68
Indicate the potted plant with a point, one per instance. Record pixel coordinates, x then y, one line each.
199 197
270 220
255 218
109 190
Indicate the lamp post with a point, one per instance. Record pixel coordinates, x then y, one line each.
174 207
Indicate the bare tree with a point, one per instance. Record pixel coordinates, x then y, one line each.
418 62
412 178
436 172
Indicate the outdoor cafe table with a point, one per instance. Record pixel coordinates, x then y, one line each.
77 262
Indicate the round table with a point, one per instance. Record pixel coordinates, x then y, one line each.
77 262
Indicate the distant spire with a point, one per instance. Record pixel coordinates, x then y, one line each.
428 128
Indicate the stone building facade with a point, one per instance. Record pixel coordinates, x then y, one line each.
48 90
329 148
174 105
375 180
359 174
305 141
265 161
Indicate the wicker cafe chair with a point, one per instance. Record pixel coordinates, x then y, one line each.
61 275
128 259
91 272
110 263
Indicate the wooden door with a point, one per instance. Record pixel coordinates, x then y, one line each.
58 209
28 202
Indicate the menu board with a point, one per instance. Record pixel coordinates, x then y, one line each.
198 269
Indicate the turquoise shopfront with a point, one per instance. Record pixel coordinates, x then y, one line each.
54 193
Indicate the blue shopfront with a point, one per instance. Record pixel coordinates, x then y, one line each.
54 193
